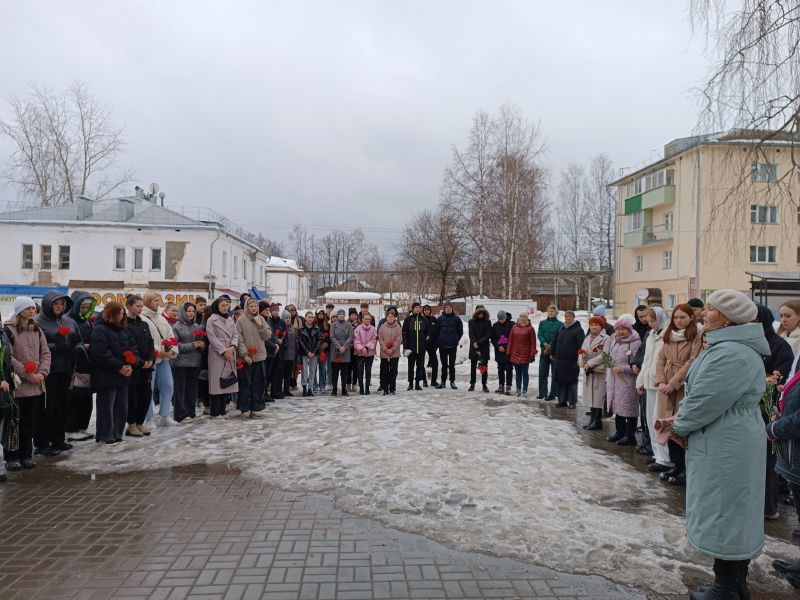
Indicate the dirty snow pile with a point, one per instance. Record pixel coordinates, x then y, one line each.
481 472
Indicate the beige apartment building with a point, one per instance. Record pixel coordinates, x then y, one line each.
714 210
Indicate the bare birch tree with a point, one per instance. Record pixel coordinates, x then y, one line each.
64 145
571 213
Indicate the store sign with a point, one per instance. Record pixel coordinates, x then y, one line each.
103 297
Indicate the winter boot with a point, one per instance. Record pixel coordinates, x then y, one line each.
619 422
485 388
434 384
597 420
500 389
424 382
726 582
453 385
630 433
508 390
410 387
519 392
418 387
525 394
471 387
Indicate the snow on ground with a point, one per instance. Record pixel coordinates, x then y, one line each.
478 471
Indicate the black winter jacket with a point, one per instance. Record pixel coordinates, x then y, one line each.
62 347
787 430
433 332
144 343
309 340
781 356
108 344
451 330
498 331
480 332
416 330
565 352
85 324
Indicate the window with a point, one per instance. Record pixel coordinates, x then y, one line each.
760 213
155 259
765 172
63 257
46 257
638 262
27 256
636 221
138 259
798 255
763 254
798 216
224 263
666 259
119 258
668 221
235 267
244 268
672 300
253 271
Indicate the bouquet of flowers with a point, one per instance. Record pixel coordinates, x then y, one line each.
239 364
199 335
169 343
607 361
64 331
769 403
31 367
252 352
130 357
389 345
323 357
483 367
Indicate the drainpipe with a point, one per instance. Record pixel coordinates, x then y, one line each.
698 224
210 266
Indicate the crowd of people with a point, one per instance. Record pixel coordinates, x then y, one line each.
690 374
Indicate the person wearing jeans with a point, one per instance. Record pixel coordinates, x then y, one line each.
522 351
160 330
309 341
547 335
451 329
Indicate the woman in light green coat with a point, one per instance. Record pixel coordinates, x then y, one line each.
722 425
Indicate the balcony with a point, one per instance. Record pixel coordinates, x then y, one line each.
664 194
647 236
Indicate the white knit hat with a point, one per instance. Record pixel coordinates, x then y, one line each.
21 303
735 305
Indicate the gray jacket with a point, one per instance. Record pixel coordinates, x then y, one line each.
341 337
188 355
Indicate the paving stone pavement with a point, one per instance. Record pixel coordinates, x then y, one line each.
208 532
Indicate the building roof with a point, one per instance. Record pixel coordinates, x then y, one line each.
748 137
30 290
776 275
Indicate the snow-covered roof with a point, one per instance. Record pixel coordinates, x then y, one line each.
286 263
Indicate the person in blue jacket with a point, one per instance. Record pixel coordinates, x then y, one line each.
451 330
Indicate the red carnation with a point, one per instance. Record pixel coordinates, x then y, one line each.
31 367
129 357
252 351
156 353
239 364
199 335
64 330
322 356
169 343
389 345
581 352
338 359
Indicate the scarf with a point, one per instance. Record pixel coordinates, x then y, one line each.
786 389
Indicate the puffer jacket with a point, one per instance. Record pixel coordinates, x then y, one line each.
107 348
501 332
522 344
341 337
433 332
416 330
62 346
647 374
451 330
145 347
672 364
253 333
391 334
365 338
85 324
183 330
29 345
289 345
309 339
780 356
160 330
480 331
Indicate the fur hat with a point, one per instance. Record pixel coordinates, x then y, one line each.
735 305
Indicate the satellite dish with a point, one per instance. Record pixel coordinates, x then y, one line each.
153 188
162 195
643 293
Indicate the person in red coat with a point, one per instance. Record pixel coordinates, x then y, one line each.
522 352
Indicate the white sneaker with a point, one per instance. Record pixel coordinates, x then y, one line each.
167 422
186 420
152 423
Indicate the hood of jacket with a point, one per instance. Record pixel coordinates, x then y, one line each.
183 317
49 299
766 319
749 334
78 297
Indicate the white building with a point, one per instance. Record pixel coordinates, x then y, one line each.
113 247
288 283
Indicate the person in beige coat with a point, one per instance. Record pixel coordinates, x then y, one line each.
223 340
253 331
590 360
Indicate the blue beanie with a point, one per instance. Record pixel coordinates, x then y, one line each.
599 310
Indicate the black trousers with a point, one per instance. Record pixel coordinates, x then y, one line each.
184 396
51 421
340 368
112 409
473 368
448 356
677 456
568 393
276 378
389 374
353 373
28 409
416 367
139 396
217 404
79 410
251 388
288 374
771 487
643 420
433 363
505 375
364 372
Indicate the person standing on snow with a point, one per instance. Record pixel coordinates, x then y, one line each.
547 335
480 332
416 330
451 330
501 332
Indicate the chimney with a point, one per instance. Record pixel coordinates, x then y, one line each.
125 210
83 208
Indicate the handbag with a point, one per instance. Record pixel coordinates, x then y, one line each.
226 381
80 381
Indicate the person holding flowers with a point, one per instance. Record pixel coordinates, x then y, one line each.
223 340
166 350
341 347
30 359
323 324
140 385
590 360
113 351
522 351
365 340
480 331
62 339
186 366
501 331
309 342
278 327
621 397
252 351
288 354
564 355
390 337
646 385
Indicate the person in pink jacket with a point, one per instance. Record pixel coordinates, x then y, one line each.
365 339
390 336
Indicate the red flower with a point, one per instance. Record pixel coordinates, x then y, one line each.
31 367
156 353
239 364
326 334
483 369
389 345
169 343
322 356
64 330
252 351
581 351
129 357
338 359
199 335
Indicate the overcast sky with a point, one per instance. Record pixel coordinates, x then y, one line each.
342 114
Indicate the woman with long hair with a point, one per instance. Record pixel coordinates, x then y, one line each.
682 343
646 385
161 331
223 339
789 314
